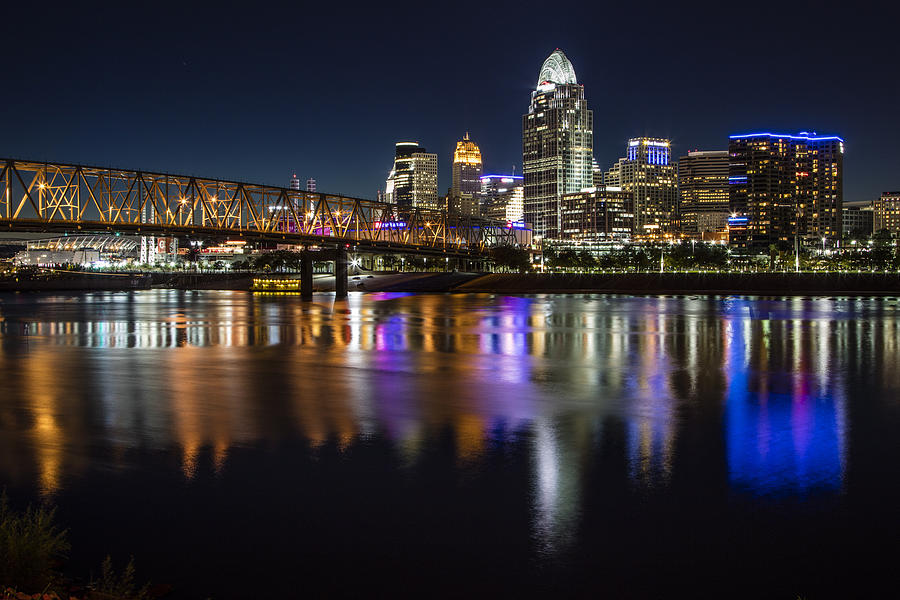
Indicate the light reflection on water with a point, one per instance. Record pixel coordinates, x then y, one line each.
207 372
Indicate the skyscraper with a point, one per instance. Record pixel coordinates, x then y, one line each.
466 168
295 183
557 144
462 199
310 185
412 182
703 192
647 174
787 185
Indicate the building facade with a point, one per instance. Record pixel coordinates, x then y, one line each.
463 205
502 197
703 193
310 185
412 182
859 219
648 174
887 212
557 144
789 186
597 214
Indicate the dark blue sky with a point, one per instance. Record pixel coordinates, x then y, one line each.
253 93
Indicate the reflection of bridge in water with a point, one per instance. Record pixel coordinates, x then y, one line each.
76 199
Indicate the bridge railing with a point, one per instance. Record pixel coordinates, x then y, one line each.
61 194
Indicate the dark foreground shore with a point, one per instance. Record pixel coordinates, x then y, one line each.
767 284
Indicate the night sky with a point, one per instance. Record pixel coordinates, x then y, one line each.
253 93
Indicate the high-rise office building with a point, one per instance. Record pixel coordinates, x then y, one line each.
601 214
412 182
788 186
887 212
466 168
557 144
310 185
703 193
647 174
462 198
295 183
502 197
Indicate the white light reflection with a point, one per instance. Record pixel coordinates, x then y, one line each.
556 488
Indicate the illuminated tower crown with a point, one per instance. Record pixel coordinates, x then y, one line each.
557 69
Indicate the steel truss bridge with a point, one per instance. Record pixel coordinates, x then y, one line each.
78 200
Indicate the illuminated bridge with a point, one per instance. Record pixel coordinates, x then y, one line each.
80 200
77 199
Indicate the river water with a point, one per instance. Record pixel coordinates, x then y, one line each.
400 444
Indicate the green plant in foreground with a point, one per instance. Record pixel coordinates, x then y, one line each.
121 586
30 546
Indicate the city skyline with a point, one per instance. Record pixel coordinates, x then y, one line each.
191 114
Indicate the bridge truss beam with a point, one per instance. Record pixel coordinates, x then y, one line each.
41 196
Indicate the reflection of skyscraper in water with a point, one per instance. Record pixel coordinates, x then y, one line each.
786 423
651 427
557 481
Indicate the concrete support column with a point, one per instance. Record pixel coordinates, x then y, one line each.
306 276
340 273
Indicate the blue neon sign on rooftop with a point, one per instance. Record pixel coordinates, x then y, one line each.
803 135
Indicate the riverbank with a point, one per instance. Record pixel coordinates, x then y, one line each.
767 284
64 281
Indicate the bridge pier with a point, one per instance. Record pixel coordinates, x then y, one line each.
306 276
340 273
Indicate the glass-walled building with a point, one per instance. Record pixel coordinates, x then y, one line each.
859 218
557 144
